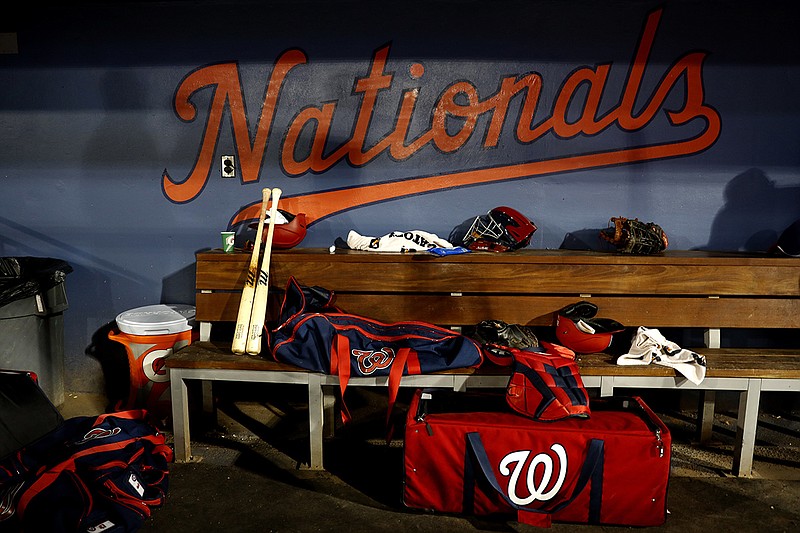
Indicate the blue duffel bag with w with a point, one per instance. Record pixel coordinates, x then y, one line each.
91 473
313 333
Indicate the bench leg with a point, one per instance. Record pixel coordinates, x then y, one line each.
316 420
607 386
207 394
705 415
746 426
705 412
205 331
179 395
329 412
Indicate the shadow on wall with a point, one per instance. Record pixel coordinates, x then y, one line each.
754 215
114 363
121 139
586 239
179 287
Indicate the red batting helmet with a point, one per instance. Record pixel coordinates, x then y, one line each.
578 330
289 230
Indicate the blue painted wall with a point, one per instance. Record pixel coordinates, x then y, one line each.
88 126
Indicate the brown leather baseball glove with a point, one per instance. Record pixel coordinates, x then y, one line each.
630 236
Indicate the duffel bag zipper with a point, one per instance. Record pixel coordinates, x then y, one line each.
627 404
659 442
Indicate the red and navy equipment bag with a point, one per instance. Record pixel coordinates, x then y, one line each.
467 453
316 335
91 473
545 382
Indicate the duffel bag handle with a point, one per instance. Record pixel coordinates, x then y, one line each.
592 469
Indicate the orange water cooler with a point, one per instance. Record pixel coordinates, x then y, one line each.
150 334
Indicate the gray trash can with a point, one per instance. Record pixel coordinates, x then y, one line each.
33 299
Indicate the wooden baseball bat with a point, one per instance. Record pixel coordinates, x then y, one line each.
248 292
262 288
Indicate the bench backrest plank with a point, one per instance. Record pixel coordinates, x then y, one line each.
678 289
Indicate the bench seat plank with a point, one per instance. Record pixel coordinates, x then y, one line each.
218 355
720 363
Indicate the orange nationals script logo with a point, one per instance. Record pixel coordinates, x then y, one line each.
463 106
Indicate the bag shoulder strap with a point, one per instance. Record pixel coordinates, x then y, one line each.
341 366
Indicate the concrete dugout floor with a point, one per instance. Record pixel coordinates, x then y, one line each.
246 477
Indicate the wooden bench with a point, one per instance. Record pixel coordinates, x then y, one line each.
712 292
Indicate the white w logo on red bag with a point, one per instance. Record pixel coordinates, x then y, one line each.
370 361
535 492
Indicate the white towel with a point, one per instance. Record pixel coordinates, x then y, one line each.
650 346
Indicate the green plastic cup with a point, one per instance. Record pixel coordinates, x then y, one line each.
227 241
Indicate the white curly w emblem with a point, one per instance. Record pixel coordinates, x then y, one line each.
544 491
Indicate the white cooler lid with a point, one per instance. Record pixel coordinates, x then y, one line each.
161 319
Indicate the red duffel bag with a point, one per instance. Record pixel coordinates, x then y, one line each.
468 453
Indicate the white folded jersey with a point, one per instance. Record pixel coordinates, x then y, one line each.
397 241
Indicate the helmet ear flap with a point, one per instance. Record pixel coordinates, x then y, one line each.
579 310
